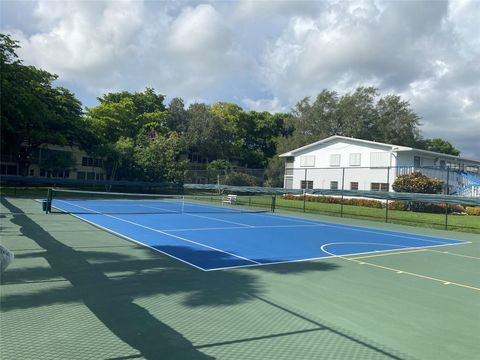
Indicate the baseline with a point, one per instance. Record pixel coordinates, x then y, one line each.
163 232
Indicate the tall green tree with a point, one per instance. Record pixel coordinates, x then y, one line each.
177 119
397 123
33 110
361 114
158 158
357 114
122 122
206 133
439 145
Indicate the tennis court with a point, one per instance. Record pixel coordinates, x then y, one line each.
182 278
215 237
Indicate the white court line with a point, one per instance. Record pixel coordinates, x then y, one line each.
330 256
339 226
393 252
312 223
164 233
373 231
455 254
131 239
202 216
243 227
398 271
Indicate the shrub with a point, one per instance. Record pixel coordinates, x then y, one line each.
336 200
473 210
398 205
436 208
416 182
240 179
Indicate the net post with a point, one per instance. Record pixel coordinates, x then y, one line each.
388 189
48 204
274 199
343 188
447 191
305 191
386 212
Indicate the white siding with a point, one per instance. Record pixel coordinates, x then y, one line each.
378 159
307 160
323 173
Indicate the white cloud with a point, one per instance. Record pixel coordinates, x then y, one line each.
267 55
82 39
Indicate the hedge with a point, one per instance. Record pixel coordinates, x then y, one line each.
392 205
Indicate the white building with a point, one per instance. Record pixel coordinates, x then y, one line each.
81 166
340 162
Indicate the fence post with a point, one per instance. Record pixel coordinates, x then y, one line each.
388 185
448 193
305 191
343 188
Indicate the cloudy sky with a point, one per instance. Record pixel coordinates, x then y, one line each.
264 55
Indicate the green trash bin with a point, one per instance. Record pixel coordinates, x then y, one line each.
46 205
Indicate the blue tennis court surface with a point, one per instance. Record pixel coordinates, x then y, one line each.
211 240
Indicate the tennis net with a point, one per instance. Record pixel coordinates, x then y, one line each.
97 202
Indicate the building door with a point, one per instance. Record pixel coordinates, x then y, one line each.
416 161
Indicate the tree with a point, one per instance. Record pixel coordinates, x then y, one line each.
311 122
252 134
275 172
33 111
206 133
219 165
177 119
439 145
396 122
158 158
122 122
57 161
358 114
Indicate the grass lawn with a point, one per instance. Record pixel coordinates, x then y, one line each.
465 223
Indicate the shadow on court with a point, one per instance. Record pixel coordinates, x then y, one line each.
115 309
113 299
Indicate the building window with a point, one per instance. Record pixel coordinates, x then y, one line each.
90 176
333 185
32 172
379 159
94 162
288 183
354 185
306 184
42 172
307 160
355 159
416 161
379 187
81 175
66 174
335 159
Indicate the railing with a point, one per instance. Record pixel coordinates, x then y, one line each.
8 158
473 191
